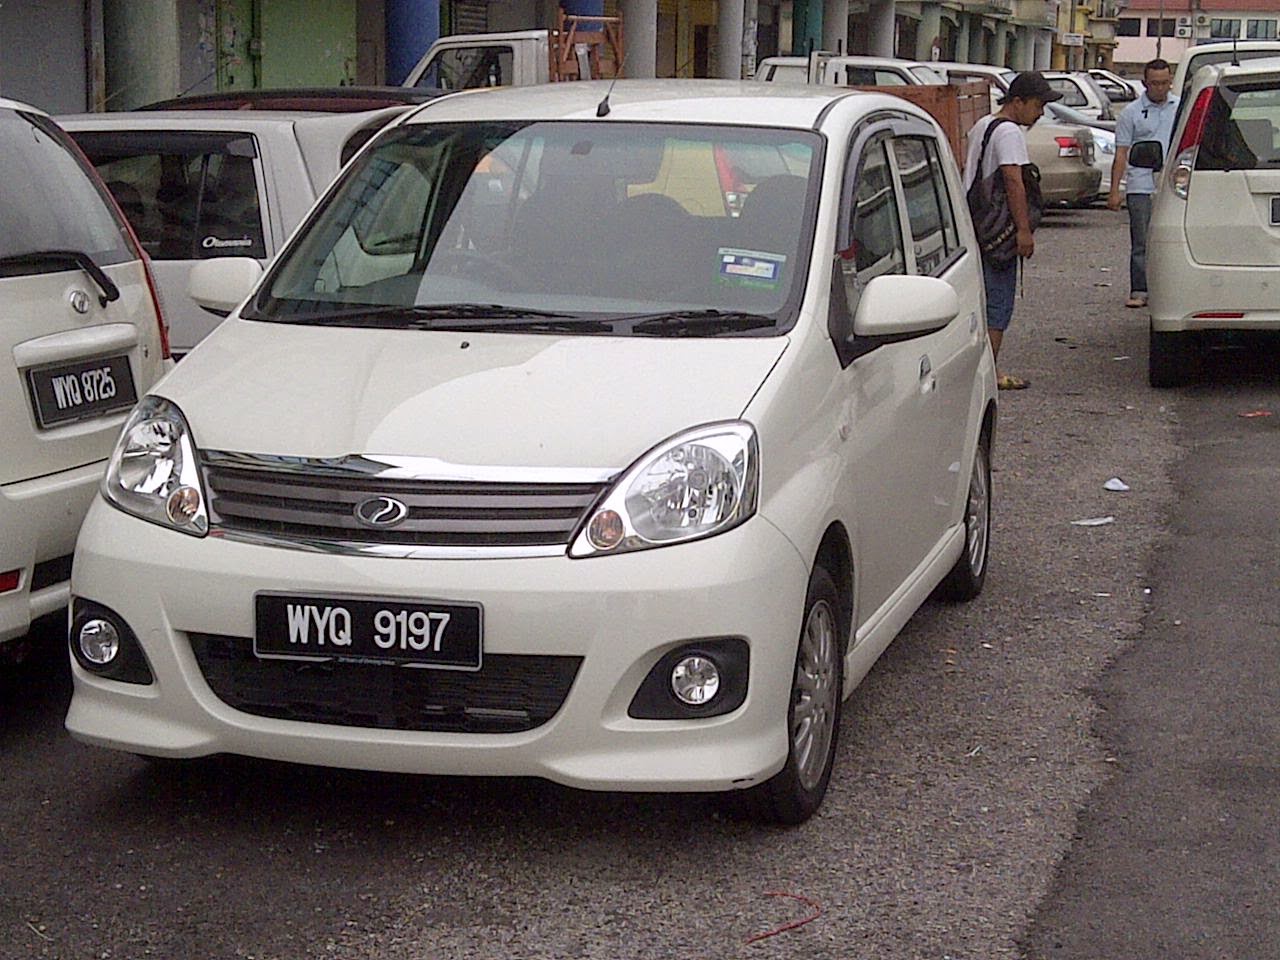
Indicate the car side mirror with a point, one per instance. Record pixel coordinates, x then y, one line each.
897 307
1147 154
221 284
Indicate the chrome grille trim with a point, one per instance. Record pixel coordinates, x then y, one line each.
454 511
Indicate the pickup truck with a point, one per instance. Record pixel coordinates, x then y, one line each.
578 48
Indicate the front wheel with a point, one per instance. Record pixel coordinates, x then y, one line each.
794 794
965 580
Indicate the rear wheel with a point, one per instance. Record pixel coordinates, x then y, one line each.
794 794
1169 359
966 578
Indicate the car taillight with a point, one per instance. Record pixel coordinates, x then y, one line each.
165 352
1068 146
1193 132
1180 174
9 580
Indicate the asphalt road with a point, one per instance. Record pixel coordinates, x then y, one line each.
983 774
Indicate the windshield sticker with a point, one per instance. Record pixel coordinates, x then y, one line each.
750 268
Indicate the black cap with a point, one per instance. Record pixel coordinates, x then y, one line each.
1031 86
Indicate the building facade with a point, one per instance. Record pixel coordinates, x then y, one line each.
1146 29
75 55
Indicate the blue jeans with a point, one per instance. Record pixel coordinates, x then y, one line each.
1001 283
1139 205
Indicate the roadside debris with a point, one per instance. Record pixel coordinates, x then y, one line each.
1116 485
1256 413
1093 522
791 925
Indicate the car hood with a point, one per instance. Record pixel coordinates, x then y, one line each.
483 399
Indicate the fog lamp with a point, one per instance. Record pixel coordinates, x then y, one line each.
183 505
99 641
695 680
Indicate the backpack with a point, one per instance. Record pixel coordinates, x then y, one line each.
989 206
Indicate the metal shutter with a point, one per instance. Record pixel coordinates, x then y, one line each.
470 16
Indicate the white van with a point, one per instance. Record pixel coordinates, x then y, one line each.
601 436
82 339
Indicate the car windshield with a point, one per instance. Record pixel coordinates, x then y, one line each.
626 228
1242 127
51 201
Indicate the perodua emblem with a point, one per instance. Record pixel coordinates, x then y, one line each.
380 512
79 301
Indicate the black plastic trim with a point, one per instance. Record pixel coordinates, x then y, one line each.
130 664
655 700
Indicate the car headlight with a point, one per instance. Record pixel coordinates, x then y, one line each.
153 473
697 484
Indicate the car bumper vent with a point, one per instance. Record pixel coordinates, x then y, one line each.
511 693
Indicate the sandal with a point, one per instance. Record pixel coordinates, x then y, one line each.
1137 300
1008 382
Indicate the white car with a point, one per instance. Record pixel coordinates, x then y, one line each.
1104 141
1212 261
998 78
197 184
1223 52
82 339
1119 90
860 71
783 70
1081 92
528 457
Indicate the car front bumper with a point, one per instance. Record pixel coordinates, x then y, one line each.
618 614
39 520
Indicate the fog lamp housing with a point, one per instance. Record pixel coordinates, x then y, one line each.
695 679
103 644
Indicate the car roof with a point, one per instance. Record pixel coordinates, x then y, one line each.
7 104
738 102
1245 68
312 99
220 120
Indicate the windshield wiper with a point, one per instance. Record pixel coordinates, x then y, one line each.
706 321
421 316
110 292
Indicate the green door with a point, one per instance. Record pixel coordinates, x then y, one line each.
235 46
308 44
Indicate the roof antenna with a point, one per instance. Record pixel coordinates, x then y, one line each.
603 109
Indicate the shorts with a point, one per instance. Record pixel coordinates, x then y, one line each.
1001 283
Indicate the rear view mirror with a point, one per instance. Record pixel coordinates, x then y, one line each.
1147 154
221 284
898 306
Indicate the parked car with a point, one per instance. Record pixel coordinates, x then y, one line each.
1104 140
1065 155
1082 92
216 182
876 71
1207 54
999 78
354 99
783 69
82 339
1212 261
528 457
1119 90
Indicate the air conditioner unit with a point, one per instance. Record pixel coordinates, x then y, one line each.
1184 21
1183 31
1202 20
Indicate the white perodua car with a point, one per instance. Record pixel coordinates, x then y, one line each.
81 338
607 437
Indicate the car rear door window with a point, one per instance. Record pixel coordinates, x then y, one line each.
50 203
189 196
876 232
929 212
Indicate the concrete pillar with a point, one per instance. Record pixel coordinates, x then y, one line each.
1001 45
977 41
750 36
806 27
835 25
962 37
640 36
930 27
1044 50
880 28
411 28
729 25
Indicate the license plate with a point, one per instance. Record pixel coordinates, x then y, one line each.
445 636
1275 211
76 391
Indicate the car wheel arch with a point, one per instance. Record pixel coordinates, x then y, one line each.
835 555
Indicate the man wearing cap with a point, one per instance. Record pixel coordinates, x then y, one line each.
1150 117
1006 152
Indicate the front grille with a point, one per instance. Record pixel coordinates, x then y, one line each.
49 572
510 693
441 513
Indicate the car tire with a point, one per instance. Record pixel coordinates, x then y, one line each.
965 580
794 794
1169 359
